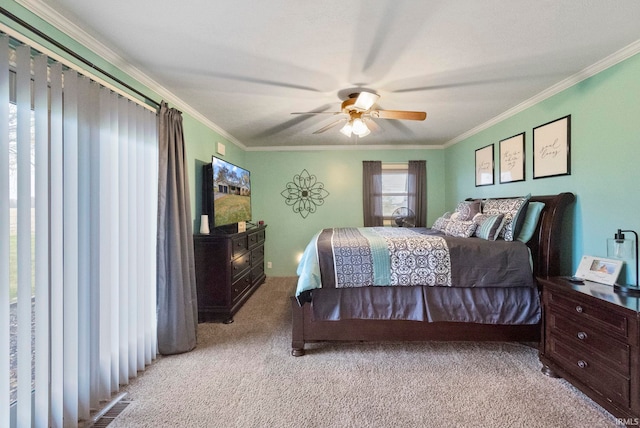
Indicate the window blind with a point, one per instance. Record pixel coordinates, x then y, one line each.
78 204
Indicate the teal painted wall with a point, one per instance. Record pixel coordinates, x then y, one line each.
341 172
605 159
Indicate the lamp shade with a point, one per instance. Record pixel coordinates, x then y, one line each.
627 250
360 128
347 129
622 249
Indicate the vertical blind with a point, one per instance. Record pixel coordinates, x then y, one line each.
78 213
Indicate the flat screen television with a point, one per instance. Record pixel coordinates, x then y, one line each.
226 194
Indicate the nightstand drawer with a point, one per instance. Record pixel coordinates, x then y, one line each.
584 312
614 351
590 370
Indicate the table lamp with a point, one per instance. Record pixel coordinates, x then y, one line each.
621 248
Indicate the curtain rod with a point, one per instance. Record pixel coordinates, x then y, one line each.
74 54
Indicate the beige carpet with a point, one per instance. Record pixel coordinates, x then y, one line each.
241 375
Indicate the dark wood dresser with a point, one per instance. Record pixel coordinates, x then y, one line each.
229 268
591 338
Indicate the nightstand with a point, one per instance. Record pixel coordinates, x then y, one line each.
590 337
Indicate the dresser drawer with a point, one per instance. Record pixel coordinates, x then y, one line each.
256 238
584 312
590 369
239 286
238 246
257 254
257 272
614 351
239 265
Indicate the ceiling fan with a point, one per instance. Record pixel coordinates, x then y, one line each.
358 115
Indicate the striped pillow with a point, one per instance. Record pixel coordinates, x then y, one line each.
489 226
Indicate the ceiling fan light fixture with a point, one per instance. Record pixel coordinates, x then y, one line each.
347 129
360 128
364 133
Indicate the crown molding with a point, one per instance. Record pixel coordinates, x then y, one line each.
61 23
609 61
341 148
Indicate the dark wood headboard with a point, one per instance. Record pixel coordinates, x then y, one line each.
545 243
546 249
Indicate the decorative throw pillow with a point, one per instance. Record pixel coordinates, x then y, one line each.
441 222
530 221
489 226
461 229
467 209
514 211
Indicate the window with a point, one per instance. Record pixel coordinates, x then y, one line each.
395 194
388 186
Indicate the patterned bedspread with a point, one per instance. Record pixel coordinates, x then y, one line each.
384 256
388 256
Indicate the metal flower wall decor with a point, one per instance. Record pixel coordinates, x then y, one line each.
304 193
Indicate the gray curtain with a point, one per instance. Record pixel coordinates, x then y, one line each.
417 190
372 193
177 304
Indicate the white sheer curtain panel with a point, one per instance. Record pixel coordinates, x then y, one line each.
78 222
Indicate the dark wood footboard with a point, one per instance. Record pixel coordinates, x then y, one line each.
545 251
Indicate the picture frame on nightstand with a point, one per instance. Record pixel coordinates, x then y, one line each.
599 269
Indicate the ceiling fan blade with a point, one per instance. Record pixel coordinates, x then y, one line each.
399 114
372 125
329 126
366 100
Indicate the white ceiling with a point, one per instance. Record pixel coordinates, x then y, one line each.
245 65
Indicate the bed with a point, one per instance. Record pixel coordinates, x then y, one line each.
429 284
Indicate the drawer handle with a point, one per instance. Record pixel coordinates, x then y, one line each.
582 335
579 309
582 364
